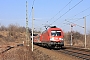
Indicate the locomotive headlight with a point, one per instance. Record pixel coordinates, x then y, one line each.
52 38
60 38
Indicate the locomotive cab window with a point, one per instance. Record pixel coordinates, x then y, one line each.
55 33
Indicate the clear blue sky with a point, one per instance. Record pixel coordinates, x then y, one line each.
45 13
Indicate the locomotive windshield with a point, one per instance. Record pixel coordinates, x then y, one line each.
55 33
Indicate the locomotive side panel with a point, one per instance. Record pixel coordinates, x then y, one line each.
45 37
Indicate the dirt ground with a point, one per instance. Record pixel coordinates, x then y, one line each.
39 53
47 54
17 53
24 52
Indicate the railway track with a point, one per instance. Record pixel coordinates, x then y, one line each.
83 54
79 53
8 48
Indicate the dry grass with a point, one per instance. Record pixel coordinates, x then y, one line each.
78 39
11 36
18 53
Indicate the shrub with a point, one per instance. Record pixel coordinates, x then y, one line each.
76 38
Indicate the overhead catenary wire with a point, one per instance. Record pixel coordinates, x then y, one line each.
82 11
74 23
87 15
61 10
67 11
78 14
82 18
76 19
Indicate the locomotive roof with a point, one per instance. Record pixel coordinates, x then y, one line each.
53 27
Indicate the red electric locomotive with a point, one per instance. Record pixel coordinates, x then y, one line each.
52 37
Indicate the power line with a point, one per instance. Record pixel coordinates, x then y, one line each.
76 19
61 10
74 23
87 15
81 12
67 11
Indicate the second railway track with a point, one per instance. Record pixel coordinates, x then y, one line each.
76 52
5 49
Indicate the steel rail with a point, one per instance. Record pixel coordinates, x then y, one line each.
79 54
